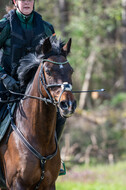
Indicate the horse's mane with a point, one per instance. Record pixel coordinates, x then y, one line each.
27 69
29 63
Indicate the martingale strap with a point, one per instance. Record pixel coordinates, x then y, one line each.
42 159
28 145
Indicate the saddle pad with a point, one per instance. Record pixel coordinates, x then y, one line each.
5 123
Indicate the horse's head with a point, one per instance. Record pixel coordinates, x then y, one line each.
56 75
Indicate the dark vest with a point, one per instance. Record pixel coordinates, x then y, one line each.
22 41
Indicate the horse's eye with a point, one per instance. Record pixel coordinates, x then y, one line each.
48 72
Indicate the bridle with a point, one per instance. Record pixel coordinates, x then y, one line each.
64 86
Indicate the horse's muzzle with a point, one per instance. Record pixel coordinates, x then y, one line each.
67 108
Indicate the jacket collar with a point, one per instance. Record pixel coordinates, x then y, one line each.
25 19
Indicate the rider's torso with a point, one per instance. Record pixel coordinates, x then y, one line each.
19 36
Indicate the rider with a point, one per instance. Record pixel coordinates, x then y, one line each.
20 31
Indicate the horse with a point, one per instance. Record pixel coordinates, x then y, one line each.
29 152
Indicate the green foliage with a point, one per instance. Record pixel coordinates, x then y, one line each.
99 133
89 21
100 177
96 19
118 99
50 12
82 186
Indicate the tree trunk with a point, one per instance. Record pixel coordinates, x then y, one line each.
63 15
3 7
90 62
124 40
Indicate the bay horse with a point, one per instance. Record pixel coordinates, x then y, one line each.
29 154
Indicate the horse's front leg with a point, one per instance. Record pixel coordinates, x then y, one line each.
18 184
53 187
17 187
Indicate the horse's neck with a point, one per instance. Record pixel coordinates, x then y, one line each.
39 117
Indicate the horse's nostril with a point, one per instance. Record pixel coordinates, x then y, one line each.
68 105
64 105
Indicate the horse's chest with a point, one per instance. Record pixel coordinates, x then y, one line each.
30 172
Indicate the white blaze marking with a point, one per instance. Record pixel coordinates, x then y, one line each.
61 66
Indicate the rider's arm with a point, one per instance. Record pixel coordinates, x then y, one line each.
1 70
4 33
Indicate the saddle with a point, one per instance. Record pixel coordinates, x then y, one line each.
5 120
3 112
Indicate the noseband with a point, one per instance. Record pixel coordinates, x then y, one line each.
64 86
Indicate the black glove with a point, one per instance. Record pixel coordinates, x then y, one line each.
10 83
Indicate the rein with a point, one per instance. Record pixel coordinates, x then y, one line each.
43 99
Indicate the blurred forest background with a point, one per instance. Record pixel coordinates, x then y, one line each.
97 131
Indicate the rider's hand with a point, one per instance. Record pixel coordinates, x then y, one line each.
10 83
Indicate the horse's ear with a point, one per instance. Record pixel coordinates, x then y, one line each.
46 47
66 48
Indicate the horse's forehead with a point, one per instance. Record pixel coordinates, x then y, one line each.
58 66
59 58
63 69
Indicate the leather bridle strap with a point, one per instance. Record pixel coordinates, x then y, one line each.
54 62
43 82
